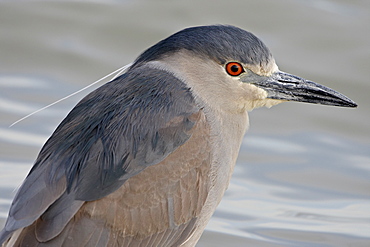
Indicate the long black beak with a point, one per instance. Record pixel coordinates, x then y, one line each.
284 86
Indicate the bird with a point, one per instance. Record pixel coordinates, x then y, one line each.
145 159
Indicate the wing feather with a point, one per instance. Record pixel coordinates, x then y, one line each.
113 134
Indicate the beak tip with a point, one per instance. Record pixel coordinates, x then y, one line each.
347 102
353 105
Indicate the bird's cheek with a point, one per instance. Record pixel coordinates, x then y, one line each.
252 92
252 97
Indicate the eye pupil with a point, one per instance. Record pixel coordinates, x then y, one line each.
234 68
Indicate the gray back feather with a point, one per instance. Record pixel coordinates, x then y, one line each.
111 135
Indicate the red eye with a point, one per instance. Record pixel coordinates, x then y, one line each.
234 68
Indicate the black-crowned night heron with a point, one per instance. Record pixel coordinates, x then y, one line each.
145 159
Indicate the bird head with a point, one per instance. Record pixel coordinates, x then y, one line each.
232 69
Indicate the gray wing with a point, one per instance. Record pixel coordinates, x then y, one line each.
113 134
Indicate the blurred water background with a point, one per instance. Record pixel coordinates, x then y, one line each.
303 174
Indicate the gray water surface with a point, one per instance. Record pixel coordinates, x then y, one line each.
303 173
